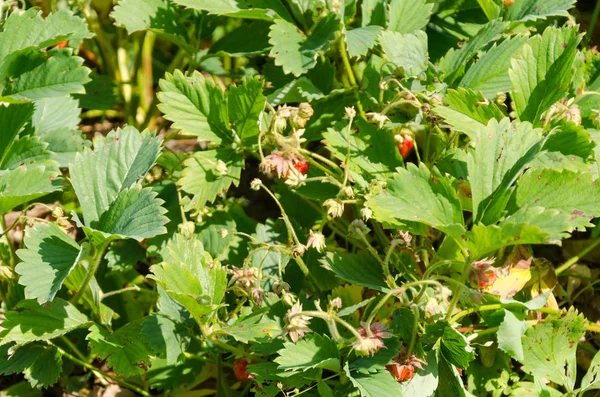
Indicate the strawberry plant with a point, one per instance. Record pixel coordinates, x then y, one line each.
283 198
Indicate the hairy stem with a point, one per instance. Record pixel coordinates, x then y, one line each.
91 272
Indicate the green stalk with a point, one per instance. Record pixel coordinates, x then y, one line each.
567 265
91 272
593 20
350 73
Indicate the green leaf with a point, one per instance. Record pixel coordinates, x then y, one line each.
425 382
449 378
39 181
406 51
455 60
191 277
14 117
61 74
55 113
373 153
591 379
549 348
378 361
575 195
253 327
490 73
125 351
502 150
542 71
313 351
124 255
406 16
468 111
297 90
157 15
380 384
31 321
373 12
196 106
510 333
246 103
359 269
202 180
251 9
29 30
47 261
297 52
165 337
456 348
571 148
248 39
41 365
530 10
419 195
106 183
360 41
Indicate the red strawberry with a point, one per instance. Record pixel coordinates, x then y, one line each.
406 146
240 369
302 167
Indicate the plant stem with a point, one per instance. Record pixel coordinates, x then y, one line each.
120 381
567 265
458 290
377 307
593 21
74 348
329 317
11 248
91 272
413 339
120 291
350 72
457 317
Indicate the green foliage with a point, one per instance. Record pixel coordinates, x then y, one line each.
335 198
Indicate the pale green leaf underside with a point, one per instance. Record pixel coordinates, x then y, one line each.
530 10
22 185
380 384
48 258
361 40
137 15
31 321
509 335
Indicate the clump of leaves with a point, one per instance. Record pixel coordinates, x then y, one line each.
341 198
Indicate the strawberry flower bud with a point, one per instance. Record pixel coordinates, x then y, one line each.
482 273
316 240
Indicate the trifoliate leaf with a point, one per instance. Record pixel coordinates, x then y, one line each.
106 183
467 111
502 150
295 51
61 74
490 73
203 178
575 195
314 351
380 384
549 348
29 29
406 51
191 277
422 196
157 15
542 71
196 106
251 9
125 351
41 365
361 40
31 321
455 60
47 261
246 103
530 10
406 16
373 152
165 337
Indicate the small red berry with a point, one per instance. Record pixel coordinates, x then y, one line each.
62 44
406 146
301 167
240 369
